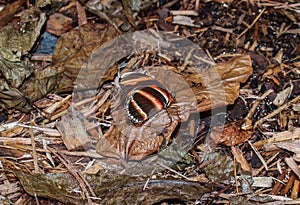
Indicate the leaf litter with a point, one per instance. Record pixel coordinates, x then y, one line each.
254 47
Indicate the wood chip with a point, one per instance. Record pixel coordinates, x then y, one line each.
262 182
58 24
184 20
184 13
292 164
73 132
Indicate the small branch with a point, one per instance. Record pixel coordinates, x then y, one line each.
277 111
258 155
75 174
34 153
255 20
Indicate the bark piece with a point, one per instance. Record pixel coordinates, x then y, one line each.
112 188
73 132
58 24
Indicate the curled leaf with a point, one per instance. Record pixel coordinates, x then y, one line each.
230 135
11 97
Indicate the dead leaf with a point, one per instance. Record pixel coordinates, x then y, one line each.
231 135
42 83
112 143
15 72
11 97
220 168
238 154
14 43
94 169
71 52
231 74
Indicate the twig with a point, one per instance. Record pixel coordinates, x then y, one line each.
280 137
82 154
81 14
262 167
48 155
174 171
255 20
170 4
186 60
277 111
184 12
75 174
34 153
235 176
48 131
248 119
278 184
197 5
258 155
57 105
226 30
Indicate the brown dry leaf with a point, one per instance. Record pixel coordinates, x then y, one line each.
199 178
15 73
94 169
75 47
137 141
231 73
112 143
42 83
149 138
231 135
11 96
238 154
71 52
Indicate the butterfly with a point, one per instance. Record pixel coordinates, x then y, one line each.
145 96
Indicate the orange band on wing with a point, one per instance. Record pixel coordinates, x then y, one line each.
157 104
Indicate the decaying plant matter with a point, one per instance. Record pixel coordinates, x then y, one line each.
229 136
